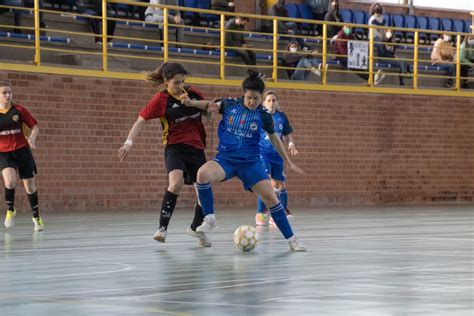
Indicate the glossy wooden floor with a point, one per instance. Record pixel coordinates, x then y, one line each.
360 261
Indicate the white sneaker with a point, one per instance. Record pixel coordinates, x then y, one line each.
209 224
160 234
202 238
39 226
296 245
317 71
379 77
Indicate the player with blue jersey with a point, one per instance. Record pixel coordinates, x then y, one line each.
239 135
271 158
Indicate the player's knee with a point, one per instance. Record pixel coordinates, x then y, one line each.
175 187
9 183
269 198
30 186
203 176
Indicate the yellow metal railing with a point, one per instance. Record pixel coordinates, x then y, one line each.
274 81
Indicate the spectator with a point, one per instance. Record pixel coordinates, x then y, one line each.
305 63
223 5
236 39
18 13
333 15
155 14
443 55
94 7
340 48
387 50
291 28
467 58
377 19
319 8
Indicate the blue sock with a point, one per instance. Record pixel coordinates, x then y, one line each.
279 217
261 205
284 198
206 197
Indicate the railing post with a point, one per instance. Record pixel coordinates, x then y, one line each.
165 35
415 60
458 62
222 44
37 34
105 65
371 57
325 51
275 50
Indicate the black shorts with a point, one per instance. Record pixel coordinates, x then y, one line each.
22 160
186 158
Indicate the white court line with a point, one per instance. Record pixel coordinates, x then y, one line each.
126 267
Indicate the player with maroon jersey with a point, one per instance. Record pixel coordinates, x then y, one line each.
15 154
183 135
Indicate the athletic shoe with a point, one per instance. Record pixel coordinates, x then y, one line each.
10 218
296 245
208 224
160 234
317 71
379 77
261 219
39 226
202 238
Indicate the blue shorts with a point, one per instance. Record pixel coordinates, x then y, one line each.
274 169
249 172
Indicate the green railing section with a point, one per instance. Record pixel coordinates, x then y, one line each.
271 47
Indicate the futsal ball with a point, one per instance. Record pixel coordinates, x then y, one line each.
246 238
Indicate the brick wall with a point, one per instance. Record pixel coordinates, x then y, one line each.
356 149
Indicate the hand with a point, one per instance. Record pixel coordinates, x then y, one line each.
123 152
185 100
213 106
231 4
292 149
177 19
32 142
295 169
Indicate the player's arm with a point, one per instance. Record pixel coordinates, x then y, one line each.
32 138
291 145
132 135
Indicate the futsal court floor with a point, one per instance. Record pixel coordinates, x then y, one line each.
360 261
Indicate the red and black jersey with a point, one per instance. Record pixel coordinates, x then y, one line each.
181 124
12 135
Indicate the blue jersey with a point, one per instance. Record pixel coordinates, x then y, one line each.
240 129
282 128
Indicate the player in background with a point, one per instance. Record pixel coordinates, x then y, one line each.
18 132
183 135
239 155
272 161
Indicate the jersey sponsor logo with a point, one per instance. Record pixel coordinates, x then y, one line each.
253 126
15 118
184 118
10 132
175 106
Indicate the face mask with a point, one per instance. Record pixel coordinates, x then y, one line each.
347 31
293 49
388 35
471 41
446 38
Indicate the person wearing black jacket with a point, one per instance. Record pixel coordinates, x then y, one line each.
387 50
304 63
236 39
333 15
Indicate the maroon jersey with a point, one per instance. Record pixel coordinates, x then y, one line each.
181 124
12 133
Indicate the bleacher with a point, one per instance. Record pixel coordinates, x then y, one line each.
140 40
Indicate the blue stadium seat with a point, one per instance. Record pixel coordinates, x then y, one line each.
306 13
293 11
458 26
467 26
360 17
447 24
189 4
346 15
422 23
209 18
398 20
388 19
410 22
435 25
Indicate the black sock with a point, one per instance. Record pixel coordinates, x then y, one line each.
167 208
33 197
198 217
10 198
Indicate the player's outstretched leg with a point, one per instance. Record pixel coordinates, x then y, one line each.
197 221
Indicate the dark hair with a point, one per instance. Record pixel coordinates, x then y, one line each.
253 82
165 72
373 6
4 83
243 18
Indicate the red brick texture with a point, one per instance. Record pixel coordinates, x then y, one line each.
356 149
